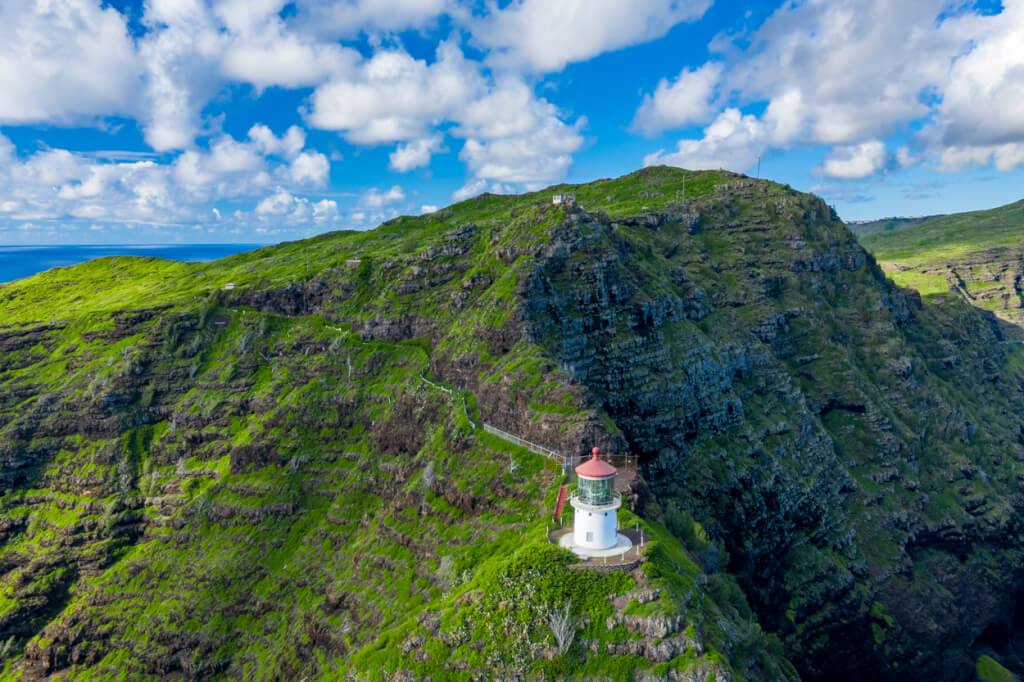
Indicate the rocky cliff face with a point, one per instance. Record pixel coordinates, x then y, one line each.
858 450
258 482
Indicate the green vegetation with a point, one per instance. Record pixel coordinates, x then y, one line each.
946 238
989 670
255 482
289 478
977 255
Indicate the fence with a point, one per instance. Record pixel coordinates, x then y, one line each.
616 460
532 447
465 406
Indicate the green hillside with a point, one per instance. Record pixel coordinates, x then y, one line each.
979 255
251 469
866 227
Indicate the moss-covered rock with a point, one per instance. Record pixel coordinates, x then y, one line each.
288 478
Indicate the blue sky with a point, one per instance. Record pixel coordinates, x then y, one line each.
265 120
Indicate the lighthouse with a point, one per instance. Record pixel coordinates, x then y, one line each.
595 503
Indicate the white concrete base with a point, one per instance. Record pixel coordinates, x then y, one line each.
621 546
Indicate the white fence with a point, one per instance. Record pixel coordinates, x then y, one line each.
532 447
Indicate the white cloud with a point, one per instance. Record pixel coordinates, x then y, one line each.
374 198
904 157
246 16
470 189
180 53
310 168
733 141
394 97
55 184
279 203
1005 157
980 120
262 50
687 100
474 187
424 209
332 19
855 161
284 207
858 66
65 60
192 50
288 145
415 154
545 36
514 137
847 73
325 211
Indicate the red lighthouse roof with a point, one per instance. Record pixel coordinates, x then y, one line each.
595 468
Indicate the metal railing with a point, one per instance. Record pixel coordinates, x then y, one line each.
532 447
614 499
566 461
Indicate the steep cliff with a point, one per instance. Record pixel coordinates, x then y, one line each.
256 481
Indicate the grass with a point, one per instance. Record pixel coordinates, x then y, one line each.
949 237
989 670
260 478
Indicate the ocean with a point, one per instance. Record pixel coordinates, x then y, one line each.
21 261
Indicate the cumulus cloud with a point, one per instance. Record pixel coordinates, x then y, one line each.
847 73
374 198
545 36
310 168
674 105
325 211
64 60
511 135
733 141
284 206
424 209
980 120
280 203
261 49
394 97
331 19
470 189
54 184
180 53
415 154
514 137
475 187
71 61
855 161
288 145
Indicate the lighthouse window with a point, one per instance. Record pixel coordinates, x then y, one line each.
595 491
590 536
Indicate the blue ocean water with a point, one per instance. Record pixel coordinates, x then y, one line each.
21 261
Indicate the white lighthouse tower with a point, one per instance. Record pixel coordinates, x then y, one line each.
596 503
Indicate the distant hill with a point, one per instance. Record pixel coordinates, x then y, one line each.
862 228
979 254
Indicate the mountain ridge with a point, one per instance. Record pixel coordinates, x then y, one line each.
808 432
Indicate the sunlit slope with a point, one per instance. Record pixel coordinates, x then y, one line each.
979 255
